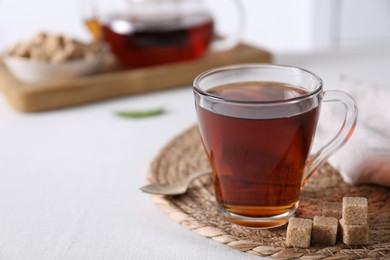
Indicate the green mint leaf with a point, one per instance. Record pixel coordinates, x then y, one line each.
141 113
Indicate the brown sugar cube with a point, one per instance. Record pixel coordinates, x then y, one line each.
332 209
353 234
299 232
355 210
324 230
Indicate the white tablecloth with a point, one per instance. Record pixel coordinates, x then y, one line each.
69 178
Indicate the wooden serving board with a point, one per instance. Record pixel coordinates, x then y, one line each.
48 96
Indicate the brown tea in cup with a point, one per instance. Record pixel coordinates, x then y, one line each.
258 163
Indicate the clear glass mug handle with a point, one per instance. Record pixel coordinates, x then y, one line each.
227 43
348 125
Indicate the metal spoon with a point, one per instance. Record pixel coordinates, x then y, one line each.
178 188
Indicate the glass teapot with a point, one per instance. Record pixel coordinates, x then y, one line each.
144 33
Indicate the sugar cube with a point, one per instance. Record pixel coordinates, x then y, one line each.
299 232
354 234
332 209
355 210
324 230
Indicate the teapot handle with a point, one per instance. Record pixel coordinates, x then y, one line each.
231 41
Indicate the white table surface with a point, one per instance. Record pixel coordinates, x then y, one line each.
69 178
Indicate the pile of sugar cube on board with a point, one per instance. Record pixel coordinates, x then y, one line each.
346 221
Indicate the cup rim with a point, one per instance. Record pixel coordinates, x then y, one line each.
206 73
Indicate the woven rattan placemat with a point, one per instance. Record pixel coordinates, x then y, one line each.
196 210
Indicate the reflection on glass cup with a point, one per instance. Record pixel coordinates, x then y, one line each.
257 123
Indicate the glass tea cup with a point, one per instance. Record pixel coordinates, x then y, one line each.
257 123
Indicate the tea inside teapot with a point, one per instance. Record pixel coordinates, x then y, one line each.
147 36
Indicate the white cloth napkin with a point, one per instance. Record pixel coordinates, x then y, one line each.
366 156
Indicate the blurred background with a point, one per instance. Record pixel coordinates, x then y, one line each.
281 26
